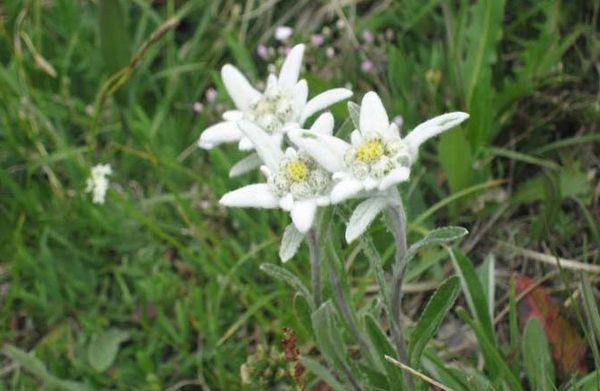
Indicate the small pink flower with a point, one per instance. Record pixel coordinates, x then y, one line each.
317 40
367 66
197 107
210 94
398 120
283 33
368 36
286 50
262 51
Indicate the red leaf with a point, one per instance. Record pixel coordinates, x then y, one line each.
568 347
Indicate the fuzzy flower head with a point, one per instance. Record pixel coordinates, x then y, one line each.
377 158
97 183
295 182
282 106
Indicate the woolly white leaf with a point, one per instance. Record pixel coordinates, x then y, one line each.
290 243
363 216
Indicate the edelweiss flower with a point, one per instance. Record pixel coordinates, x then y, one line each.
97 183
295 182
375 161
281 107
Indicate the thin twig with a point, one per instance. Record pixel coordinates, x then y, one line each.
315 265
417 373
552 260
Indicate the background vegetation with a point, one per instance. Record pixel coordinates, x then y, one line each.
160 287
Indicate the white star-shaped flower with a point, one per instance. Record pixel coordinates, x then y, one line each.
281 107
295 182
375 161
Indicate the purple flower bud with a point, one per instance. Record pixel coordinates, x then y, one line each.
283 33
211 94
197 107
262 51
398 120
367 66
317 40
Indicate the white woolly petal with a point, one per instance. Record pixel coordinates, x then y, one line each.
251 196
345 189
303 214
300 95
290 153
356 138
327 150
431 128
396 176
324 100
323 124
271 81
245 144
363 216
290 70
245 165
370 183
373 117
222 132
233 115
392 132
287 202
290 243
268 151
238 87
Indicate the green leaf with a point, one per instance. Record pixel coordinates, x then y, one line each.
494 361
286 276
485 30
436 236
327 333
591 307
487 277
536 357
322 373
454 154
513 326
103 348
474 292
436 309
590 382
114 37
37 368
383 347
241 54
354 111
303 309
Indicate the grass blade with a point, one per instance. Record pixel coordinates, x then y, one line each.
536 357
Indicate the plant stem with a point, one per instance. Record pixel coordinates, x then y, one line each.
346 310
315 266
398 223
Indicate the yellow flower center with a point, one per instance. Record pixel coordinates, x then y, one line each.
297 171
369 151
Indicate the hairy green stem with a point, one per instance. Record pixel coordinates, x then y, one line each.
346 310
398 224
315 266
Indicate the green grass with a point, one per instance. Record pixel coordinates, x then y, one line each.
178 274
